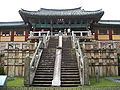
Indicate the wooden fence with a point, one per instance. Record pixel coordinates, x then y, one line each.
60 88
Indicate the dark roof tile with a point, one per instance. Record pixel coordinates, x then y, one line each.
60 12
19 23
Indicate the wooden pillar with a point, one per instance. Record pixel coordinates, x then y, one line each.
110 34
12 36
27 72
51 27
26 34
96 34
69 23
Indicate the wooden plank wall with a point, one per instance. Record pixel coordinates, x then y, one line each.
14 59
103 61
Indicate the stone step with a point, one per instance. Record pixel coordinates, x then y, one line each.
44 76
70 73
44 70
70 85
41 85
69 76
47 64
41 79
44 73
68 59
45 56
70 82
50 66
43 82
70 79
70 68
69 64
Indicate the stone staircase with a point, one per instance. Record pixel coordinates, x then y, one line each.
69 69
44 74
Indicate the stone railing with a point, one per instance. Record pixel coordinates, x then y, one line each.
38 33
46 39
38 52
83 34
81 59
35 61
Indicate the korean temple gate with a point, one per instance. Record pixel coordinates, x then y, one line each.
55 58
67 65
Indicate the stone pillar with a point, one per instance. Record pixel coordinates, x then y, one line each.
44 42
91 46
99 45
86 71
39 34
81 34
27 72
7 45
83 45
31 33
21 45
114 45
89 33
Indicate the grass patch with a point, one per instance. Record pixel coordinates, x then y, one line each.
16 81
102 82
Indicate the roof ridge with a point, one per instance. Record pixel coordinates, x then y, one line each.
92 10
61 9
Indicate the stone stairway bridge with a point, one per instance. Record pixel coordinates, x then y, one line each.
60 63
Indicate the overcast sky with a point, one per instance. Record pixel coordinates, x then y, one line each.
9 8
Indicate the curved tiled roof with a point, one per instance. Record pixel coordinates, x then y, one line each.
61 12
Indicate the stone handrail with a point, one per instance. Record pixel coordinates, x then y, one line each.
46 39
38 52
80 57
35 61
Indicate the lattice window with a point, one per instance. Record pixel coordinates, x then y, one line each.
5 33
19 33
117 32
103 32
